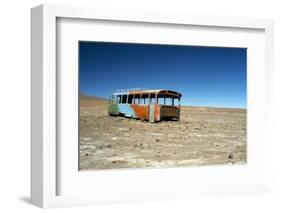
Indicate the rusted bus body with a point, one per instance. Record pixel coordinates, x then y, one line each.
150 105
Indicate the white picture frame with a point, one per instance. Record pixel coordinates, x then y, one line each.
45 168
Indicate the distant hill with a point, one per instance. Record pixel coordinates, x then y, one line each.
89 101
82 95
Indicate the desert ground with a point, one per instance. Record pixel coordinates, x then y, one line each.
203 136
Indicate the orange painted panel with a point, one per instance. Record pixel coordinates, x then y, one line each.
141 111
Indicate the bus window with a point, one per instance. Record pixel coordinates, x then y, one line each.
176 102
152 98
144 99
114 99
169 101
130 99
161 100
137 99
119 99
124 99
111 99
141 100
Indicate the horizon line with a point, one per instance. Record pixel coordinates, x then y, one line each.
201 106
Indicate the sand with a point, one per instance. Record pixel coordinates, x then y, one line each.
203 136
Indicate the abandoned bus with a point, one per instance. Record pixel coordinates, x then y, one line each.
150 105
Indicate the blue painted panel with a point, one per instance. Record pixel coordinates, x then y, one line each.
127 110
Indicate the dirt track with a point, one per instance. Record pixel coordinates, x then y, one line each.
203 136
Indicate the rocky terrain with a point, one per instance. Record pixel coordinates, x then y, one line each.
203 136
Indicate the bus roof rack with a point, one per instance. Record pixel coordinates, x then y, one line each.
144 90
131 89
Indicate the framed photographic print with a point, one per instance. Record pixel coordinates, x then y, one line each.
205 124
149 106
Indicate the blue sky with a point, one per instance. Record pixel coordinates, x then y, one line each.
206 76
